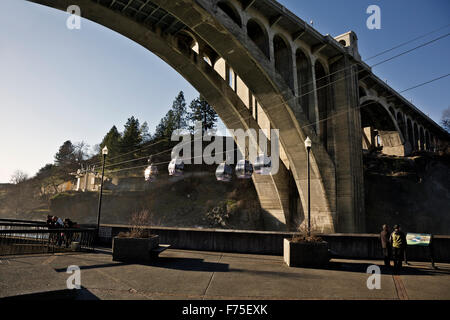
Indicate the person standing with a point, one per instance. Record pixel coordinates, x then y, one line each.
398 241
386 245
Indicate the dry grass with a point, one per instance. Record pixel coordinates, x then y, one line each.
139 221
303 234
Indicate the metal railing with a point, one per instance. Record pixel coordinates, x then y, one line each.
33 222
39 239
22 226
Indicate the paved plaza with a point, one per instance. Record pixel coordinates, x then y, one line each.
198 275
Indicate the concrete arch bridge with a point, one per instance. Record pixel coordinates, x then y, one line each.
262 67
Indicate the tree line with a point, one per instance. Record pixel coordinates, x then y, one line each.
71 156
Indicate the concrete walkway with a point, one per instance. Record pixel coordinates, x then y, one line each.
183 274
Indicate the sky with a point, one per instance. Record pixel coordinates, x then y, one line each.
58 84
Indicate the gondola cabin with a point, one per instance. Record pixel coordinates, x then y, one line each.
150 173
262 165
176 167
244 169
224 172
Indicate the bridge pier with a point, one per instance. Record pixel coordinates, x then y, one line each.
346 124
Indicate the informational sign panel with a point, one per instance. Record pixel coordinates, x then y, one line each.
418 239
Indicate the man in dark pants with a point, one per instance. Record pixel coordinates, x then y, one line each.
398 241
386 245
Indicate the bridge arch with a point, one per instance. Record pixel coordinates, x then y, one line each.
230 11
283 59
409 126
380 127
416 136
427 140
421 138
362 92
305 84
264 82
257 32
323 101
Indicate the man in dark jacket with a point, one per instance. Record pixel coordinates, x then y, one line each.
398 241
386 245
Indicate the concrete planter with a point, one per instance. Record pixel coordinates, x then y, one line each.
134 249
305 254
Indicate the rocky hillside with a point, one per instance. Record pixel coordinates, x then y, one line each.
193 200
413 192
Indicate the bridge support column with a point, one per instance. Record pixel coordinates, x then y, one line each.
346 123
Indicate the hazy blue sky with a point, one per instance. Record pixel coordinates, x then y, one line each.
58 84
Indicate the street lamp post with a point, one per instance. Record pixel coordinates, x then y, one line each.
104 153
308 144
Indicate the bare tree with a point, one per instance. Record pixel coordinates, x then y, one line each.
17 194
81 150
446 119
18 177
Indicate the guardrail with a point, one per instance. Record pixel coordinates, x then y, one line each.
20 226
7 220
25 241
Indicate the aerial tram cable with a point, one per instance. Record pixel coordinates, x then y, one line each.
335 115
312 91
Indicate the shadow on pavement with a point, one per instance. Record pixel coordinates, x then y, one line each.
187 264
66 294
410 269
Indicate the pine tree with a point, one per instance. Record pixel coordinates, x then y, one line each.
131 137
179 112
146 136
65 155
202 111
112 141
175 118
166 126
65 160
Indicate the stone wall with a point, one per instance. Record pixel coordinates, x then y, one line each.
355 246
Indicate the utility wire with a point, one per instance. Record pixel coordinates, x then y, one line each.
328 118
406 42
314 90
408 51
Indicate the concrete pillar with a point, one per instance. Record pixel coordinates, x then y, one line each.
346 121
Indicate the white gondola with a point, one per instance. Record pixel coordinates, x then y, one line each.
244 169
224 172
263 165
176 167
151 172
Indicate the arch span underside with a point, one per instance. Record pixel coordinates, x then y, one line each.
380 128
238 67
272 190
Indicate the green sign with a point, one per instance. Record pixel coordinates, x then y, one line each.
418 239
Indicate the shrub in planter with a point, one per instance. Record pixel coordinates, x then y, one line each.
137 244
306 251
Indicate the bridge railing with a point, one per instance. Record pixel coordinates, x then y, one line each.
27 240
34 222
20 226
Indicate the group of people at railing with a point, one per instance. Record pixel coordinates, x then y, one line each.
61 238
